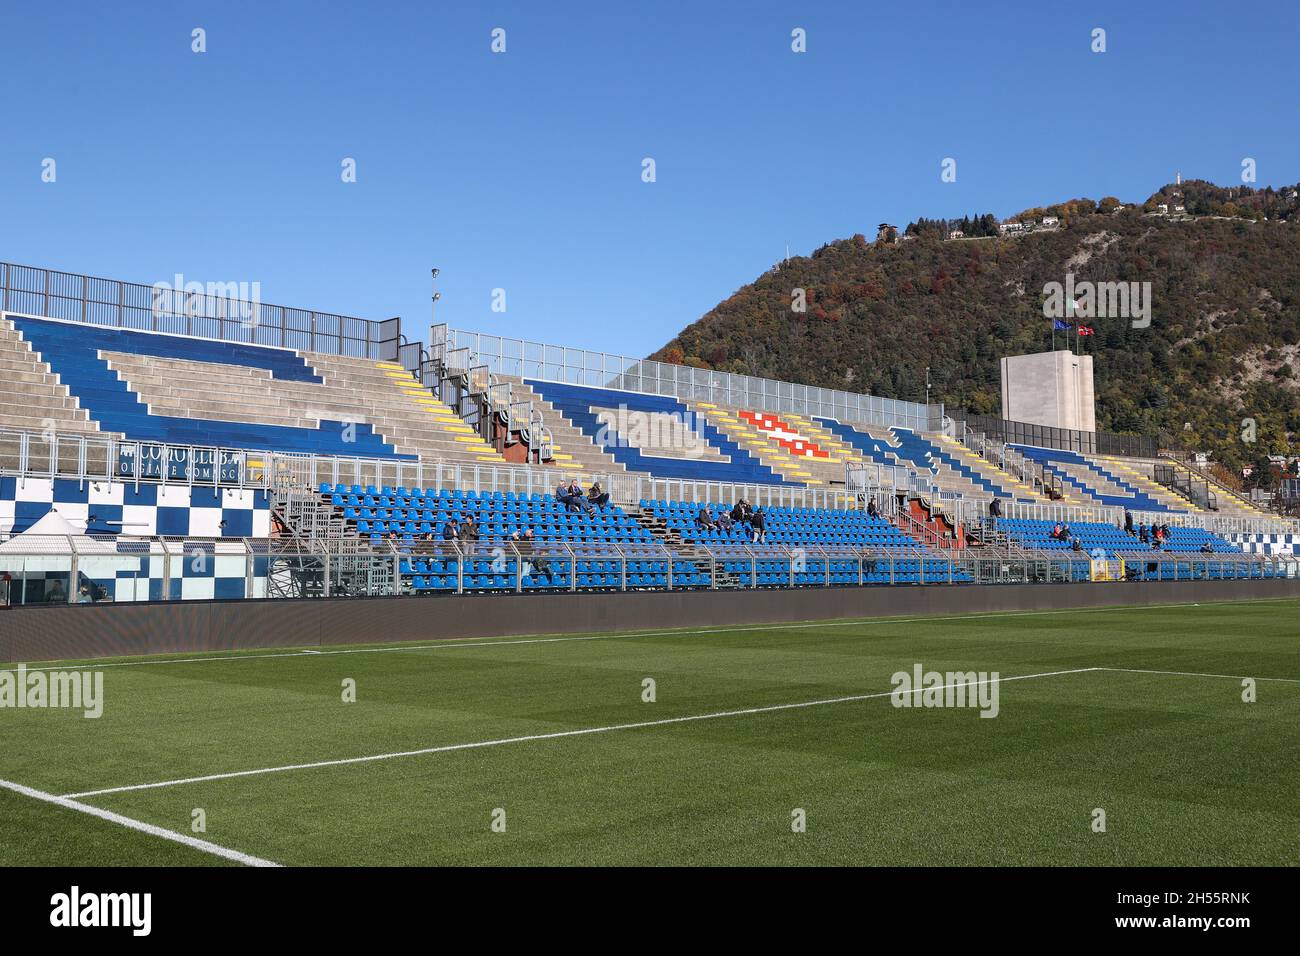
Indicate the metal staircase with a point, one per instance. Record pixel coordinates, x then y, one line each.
1186 485
998 453
680 550
319 555
482 399
302 512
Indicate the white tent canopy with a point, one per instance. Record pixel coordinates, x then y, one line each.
54 534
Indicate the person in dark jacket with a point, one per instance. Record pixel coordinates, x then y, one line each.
597 496
873 509
758 522
1128 521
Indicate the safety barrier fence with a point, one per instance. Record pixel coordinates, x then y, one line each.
229 311
105 458
99 457
74 569
576 366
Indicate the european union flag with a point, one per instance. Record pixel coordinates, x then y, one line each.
1059 326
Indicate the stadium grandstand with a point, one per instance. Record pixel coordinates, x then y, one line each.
158 445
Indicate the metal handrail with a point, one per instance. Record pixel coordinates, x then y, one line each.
576 366
104 457
72 297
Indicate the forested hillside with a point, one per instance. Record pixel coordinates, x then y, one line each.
1223 343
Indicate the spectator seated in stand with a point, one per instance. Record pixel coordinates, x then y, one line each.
597 496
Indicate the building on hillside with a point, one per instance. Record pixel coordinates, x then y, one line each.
956 234
1050 221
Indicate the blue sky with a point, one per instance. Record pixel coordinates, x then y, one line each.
522 170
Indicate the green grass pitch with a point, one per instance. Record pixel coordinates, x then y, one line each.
1186 772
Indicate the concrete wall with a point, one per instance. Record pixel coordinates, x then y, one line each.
106 630
1049 388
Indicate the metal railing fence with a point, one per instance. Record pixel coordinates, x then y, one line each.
48 293
55 569
575 366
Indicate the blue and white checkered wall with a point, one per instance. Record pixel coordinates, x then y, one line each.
145 509
1267 544
198 575
205 571
195 575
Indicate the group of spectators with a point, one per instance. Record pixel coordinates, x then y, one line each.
573 499
570 495
1063 532
741 514
467 530
86 594
1156 535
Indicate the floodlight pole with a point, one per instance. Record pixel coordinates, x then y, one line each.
433 302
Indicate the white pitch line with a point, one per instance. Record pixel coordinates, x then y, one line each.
447 748
453 642
1138 670
194 842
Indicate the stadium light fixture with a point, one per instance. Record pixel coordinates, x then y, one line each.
433 275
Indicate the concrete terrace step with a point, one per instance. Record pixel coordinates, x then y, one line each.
33 397
406 413
1012 486
21 362
575 449
1146 484
38 423
755 443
